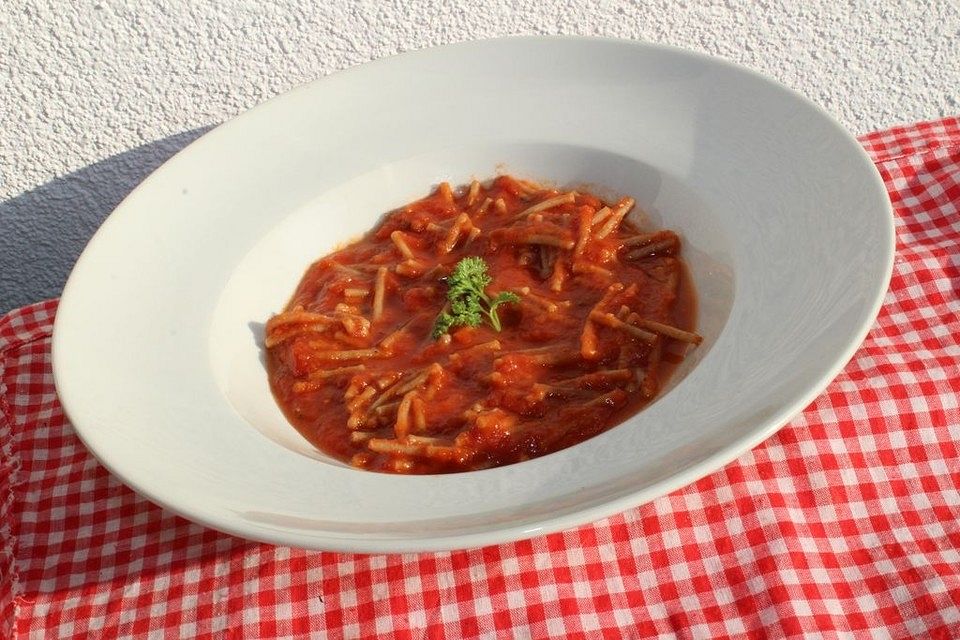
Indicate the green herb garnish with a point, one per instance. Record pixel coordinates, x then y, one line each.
469 303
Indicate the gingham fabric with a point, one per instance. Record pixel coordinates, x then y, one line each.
846 524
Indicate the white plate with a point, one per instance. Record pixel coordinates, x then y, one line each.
787 226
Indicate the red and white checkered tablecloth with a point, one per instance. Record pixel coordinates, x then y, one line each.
846 524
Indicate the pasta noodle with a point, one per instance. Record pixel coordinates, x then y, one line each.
379 291
549 203
623 207
400 241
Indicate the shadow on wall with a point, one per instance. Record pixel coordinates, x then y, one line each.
46 228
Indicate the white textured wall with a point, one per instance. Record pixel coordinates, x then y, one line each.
95 95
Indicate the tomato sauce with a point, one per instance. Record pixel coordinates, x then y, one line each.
605 311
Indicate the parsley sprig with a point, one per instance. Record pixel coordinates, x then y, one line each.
469 302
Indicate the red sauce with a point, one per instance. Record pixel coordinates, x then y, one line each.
585 348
